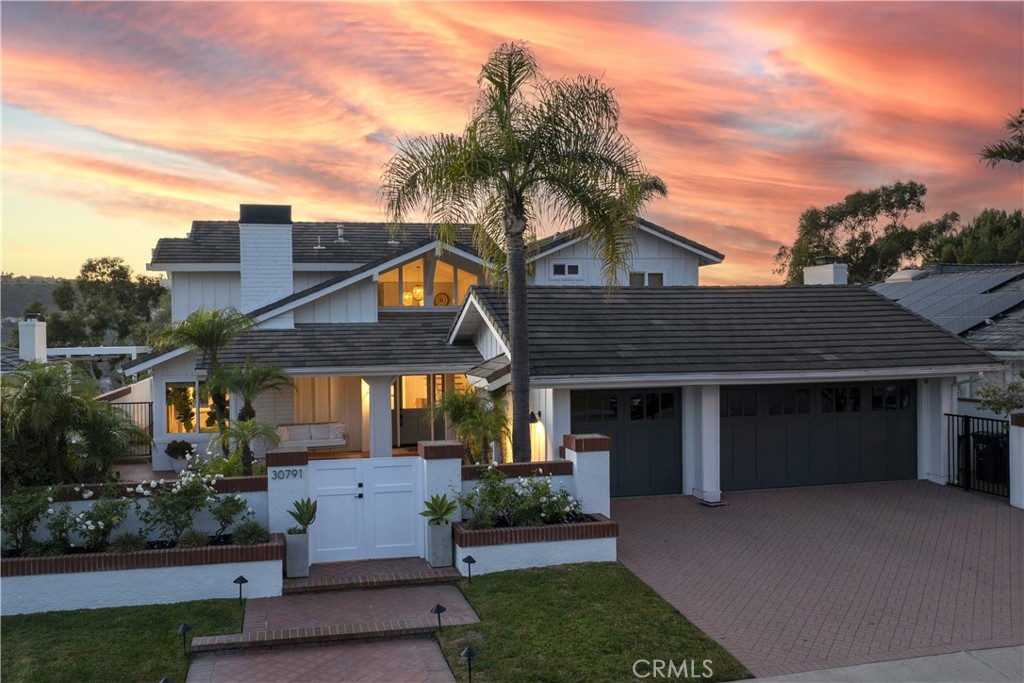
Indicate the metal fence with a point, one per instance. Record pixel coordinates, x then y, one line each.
979 453
140 413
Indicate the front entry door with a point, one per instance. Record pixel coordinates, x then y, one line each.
366 508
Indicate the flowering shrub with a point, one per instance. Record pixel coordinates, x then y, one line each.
172 509
226 510
533 501
19 516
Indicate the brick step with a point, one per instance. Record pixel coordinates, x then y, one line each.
315 635
339 576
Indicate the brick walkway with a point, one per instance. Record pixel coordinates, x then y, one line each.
409 661
793 580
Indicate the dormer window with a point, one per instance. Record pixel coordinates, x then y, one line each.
424 283
567 271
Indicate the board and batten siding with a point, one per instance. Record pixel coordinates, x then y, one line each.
486 343
356 303
651 255
192 291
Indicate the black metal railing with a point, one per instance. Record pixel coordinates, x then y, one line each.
141 414
979 453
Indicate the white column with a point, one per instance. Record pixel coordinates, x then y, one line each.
560 421
1017 460
380 416
590 455
707 470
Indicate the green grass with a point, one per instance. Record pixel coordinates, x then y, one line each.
109 645
585 622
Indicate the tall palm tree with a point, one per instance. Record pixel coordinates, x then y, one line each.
248 381
1012 148
206 332
533 148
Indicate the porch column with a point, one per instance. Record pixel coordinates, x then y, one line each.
380 416
1017 459
707 467
936 396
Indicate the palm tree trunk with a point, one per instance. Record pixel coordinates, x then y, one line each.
519 337
247 460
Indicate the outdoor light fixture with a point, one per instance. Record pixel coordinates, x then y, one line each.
241 581
470 561
469 653
438 609
534 417
183 629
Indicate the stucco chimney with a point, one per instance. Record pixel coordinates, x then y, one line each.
265 244
32 340
826 274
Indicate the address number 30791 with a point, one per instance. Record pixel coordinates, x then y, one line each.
280 473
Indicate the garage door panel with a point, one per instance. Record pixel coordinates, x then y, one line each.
743 460
798 452
774 458
824 459
848 450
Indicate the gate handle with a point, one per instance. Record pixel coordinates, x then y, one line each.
359 495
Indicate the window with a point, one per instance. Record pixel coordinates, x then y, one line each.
594 406
414 392
840 400
411 285
738 403
789 401
890 397
638 279
569 271
187 412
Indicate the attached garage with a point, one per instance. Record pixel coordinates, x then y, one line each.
645 426
805 435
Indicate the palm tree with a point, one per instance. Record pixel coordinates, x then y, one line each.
206 332
1011 149
243 435
533 148
248 381
477 421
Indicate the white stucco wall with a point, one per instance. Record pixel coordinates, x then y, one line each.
164 585
499 558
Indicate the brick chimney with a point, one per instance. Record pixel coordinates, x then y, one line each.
265 243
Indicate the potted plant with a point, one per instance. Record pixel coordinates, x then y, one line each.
297 540
439 529
177 450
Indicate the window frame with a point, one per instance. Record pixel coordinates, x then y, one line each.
199 408
567 266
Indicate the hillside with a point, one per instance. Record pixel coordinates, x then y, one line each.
17 291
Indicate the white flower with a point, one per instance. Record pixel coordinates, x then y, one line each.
49 499
100 524
78 488
220 476
50 511
249 511
139 489
87 494
145 494
161 481
152 484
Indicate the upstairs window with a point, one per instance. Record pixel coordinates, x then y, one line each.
639 279
424 282
567 271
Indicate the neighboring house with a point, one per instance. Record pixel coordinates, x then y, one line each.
701 389
984 304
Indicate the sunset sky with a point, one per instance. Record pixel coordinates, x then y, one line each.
124 122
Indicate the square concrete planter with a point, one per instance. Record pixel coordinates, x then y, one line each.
296 556
439 545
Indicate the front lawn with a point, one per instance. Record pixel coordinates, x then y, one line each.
584 622
113 644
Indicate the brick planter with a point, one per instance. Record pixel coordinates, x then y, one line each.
92 580
520 547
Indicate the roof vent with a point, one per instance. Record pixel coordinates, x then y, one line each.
341 233
318 246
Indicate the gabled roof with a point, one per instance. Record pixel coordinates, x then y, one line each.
399 341
588 331
957 297
218 242
707 255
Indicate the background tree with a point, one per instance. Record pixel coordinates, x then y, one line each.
868 231
1011 149
993 236
533 147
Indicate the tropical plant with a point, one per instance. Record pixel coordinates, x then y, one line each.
207 333
478 422
243 435
250 532
304 513
178 449
532 148
127 542
193 538
439 509
183 403
248 381
49 415
1011 149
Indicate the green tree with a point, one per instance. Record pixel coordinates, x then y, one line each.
993 236
1011 149
477 421
50 416
533 147
207 333
248 381
868 231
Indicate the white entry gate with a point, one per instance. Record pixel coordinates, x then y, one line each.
366 509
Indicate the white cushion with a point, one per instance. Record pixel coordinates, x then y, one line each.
282 432
320 432
298 432
337 430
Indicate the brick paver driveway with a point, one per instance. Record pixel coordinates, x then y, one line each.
803 579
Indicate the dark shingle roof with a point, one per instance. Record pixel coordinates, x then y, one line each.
217 242
1004 334
553 241
9 359
397 339
957 297
694 330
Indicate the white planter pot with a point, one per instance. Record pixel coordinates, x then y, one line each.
178 464
297 555
439 545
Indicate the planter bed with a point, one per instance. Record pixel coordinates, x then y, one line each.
91 580
497 550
